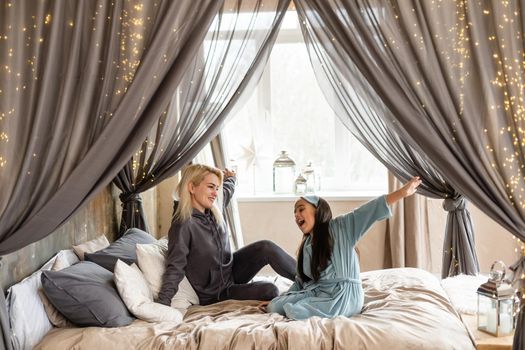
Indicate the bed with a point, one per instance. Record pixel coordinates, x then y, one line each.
404 309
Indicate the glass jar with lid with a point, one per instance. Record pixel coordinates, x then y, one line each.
300 185
309 175
283 174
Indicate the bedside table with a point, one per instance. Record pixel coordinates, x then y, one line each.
485 341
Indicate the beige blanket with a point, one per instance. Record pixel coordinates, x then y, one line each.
404 309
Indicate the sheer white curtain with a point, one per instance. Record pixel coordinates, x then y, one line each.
227 66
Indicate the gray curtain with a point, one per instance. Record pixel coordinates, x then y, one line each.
81 91
518 275
228 66
450 75
518 283
364 112
81 84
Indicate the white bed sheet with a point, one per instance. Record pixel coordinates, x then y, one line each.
404 309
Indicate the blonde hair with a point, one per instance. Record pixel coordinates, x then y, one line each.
194 174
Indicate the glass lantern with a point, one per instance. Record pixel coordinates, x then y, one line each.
283 174
309 175
496 304
300 185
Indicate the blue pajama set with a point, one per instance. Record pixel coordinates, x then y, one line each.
338 290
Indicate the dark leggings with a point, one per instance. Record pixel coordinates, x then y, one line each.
249 260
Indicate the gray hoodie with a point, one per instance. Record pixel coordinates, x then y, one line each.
200 249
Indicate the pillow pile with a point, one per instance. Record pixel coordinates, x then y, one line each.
85 294
89 294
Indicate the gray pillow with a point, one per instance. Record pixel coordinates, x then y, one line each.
123 248
86 295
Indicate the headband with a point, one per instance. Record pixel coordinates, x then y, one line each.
312 199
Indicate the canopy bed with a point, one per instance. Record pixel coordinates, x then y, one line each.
129 92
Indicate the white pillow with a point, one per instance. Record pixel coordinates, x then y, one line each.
151 260
92 246
28 319
135 293
27 314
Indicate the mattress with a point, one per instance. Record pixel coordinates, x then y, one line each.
404 308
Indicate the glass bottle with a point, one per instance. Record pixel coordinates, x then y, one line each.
283 174
309 175
300 185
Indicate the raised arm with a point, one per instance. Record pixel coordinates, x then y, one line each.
407 190
228 186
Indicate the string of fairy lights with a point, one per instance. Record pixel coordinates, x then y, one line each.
21 44
504 132
25 39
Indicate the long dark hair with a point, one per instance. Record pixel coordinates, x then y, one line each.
322 243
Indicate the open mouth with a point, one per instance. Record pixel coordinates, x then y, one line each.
300 223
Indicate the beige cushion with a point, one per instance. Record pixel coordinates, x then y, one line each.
137 296
64 258
92 246
151 260
55 317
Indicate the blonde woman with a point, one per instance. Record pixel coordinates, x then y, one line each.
199 247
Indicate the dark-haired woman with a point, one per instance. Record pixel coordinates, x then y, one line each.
328 281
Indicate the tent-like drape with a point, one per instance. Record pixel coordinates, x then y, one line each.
228 65
362 111
81 84
451 75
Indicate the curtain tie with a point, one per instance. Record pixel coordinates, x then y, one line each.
451 204
130 198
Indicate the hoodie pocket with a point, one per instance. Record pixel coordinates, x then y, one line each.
214 279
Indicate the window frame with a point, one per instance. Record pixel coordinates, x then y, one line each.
264 102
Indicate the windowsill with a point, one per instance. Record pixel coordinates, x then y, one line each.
347 196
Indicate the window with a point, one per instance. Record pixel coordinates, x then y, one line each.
287 111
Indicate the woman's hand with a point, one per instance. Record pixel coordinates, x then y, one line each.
263 305
228 173
407 190
411 186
